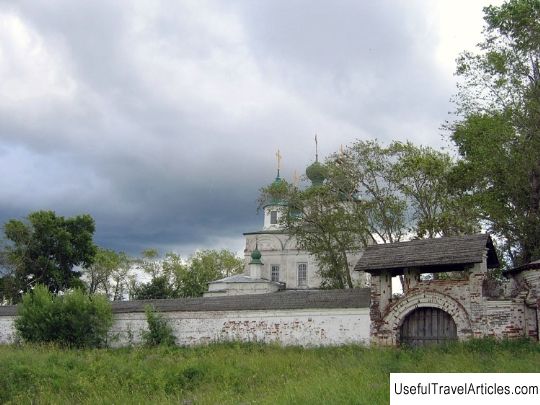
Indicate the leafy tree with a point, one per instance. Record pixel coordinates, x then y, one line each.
369 167
422 175
108 274
150 262
121 276
205 266
173 277
498 131
160 287
371 194
160 332
75 319
327 222
45 248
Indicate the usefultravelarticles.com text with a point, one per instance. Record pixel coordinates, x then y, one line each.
474 388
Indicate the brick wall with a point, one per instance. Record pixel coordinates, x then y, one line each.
474 310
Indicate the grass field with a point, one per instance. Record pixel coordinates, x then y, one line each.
238 373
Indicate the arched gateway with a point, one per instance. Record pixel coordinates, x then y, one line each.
427 325
431 309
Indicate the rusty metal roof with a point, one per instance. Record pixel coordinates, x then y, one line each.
430 255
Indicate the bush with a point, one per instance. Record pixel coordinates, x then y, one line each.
159 331
74 319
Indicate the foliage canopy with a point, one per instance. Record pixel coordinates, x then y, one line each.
75 319
372 193
174 277
498 130
44 249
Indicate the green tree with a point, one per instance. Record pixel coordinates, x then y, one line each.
150 262
174 277
74 319
160 332
369 167
326 219
205 266
119 284
498 130
108 274
159 287
371 193
45 248
422 175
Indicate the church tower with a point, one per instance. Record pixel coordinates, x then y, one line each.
274 207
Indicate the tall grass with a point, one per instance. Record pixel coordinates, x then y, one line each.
238 373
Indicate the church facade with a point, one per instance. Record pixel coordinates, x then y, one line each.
279 263
283 261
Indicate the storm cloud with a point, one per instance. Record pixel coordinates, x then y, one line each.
161 119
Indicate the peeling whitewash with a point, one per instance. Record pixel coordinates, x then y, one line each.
7 329
311 327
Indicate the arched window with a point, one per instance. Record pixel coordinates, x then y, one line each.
273 217
302 274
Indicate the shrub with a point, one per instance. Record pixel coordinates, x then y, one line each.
159 331
74 319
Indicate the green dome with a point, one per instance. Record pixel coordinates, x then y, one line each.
256 256
316 173
277 191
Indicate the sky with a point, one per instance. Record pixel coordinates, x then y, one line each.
161 119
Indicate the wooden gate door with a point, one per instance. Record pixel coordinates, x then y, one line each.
426 326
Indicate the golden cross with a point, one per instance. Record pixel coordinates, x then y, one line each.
316 149
296 178
278 158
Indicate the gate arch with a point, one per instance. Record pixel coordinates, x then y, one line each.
389 327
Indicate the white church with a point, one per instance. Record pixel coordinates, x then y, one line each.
273 261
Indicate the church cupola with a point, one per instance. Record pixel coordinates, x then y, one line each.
277 192
255 265
256 255
316 172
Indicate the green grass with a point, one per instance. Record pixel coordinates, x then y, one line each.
238 373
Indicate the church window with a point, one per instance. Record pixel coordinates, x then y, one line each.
273 217
302 274
275 272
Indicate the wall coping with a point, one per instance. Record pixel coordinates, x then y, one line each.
305 299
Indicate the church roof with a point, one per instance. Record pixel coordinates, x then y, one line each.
240 278
269 231
429 255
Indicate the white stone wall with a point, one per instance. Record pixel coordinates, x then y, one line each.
306 327
7 329
313 327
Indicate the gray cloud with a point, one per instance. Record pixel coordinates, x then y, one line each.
161 119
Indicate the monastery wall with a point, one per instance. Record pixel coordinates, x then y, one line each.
7 329
306 318
323 327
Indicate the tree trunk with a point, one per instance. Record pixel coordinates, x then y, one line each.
347 272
